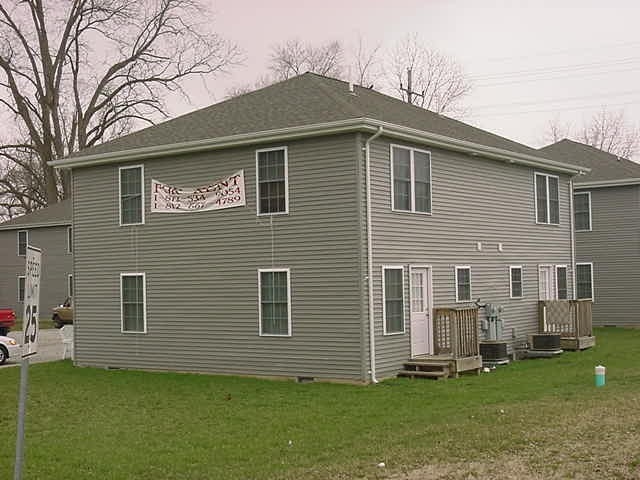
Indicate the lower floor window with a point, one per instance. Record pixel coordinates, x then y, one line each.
463 284
584 281
70 286
21 289
515 274
561 282
275 302
393 301
133 306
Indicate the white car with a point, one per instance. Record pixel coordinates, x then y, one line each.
9 348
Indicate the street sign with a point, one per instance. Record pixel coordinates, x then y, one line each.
30 315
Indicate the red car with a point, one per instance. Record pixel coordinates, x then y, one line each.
7 320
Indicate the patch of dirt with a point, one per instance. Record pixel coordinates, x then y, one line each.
591 443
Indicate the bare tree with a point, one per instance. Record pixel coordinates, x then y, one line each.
74 73
439 81
294 58
611 132
606 130
366 64
263 81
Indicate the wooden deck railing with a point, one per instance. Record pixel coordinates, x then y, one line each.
570 318
455 332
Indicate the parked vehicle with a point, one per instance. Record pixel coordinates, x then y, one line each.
63 314
9 348
7 320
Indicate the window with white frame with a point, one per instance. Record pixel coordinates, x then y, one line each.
21 284
410 180
515 277
274 288
69 285
393 299
582 211
547 199
584 281
463 284
272 181
562 291
23 240
131 195
133 304
69 240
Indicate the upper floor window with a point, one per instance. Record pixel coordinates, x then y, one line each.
463 284
131 195
584 281
69 240
410 180
272 182
547 199
582 210
21 283
23 240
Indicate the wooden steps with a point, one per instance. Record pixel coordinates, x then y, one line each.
436 369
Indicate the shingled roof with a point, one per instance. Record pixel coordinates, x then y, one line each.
605 167
305 100
54 215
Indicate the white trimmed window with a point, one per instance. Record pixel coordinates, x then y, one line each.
272 181
131 195
562 292
463 284
21 283
547 199
584 281
410 180
69 285
133 302
274 290
515 281
23 240
582 211
393 299
69 240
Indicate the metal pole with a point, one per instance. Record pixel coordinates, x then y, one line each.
22 407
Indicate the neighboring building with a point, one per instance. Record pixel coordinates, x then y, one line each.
50 230
607 224
280 286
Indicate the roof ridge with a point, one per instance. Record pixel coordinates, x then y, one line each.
329 92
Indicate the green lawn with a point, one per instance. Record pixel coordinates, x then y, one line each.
43 324
95 424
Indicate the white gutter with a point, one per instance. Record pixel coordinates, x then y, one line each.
372 324
608 183
573 240
26 226
328 128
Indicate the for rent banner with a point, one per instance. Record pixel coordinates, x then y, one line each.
226 192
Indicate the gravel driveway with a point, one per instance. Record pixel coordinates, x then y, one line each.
49 347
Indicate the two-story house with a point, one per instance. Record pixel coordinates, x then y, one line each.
607 225
49 229
352 215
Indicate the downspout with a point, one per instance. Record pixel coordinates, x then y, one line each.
372 333
573 240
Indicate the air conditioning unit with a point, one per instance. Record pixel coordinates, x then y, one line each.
545 341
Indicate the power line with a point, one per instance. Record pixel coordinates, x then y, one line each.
550 53
564 109
558 100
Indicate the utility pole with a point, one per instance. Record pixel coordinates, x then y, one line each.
410 92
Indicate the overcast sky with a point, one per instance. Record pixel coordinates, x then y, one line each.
529 62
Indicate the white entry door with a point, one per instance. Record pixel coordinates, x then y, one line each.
421 322
545 282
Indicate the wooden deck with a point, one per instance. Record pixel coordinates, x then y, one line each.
456 346
569 318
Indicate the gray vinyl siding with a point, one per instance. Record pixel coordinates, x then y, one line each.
613 246
56 266
474 200
201 268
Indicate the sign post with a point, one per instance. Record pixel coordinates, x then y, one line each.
30 332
